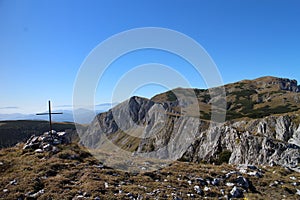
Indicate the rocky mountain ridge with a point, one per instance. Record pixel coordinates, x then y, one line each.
263 127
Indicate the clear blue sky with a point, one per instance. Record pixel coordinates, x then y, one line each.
43 43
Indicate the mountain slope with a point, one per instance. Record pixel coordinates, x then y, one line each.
262 125
248 98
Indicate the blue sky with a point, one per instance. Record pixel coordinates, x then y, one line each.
43 43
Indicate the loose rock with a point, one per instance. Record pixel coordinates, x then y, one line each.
236 192
242 182
198 190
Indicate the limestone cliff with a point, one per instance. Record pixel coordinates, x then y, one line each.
157 127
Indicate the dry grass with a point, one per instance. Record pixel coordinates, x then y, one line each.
73 172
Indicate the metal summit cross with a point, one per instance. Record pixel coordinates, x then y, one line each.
50 113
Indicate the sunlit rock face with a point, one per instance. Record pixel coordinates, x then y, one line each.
157 128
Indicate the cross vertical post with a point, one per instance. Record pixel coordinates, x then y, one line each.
50 121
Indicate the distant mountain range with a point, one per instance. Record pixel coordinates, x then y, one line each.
84 116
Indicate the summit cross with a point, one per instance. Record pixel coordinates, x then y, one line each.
50 113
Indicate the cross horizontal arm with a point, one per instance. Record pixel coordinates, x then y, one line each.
49 113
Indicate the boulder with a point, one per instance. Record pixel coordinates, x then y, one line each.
236 192
242 182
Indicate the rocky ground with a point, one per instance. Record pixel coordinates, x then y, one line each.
43 170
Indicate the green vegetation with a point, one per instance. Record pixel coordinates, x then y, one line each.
206 98
243 93
230 115
171 96
205 115
223 157
259 113
240 85
199 92
247 105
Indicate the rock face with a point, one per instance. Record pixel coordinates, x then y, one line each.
130 114
290 85
283 83
267 141
162 133
262 141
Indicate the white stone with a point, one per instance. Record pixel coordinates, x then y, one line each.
37 194
197 189
38 151
255 173
206 188
13 182
229 184
61 133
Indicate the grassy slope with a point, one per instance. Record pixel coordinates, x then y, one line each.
63 177
253 99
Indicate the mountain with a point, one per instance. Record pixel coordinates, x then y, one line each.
84 116
262 125
248 98
166 147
